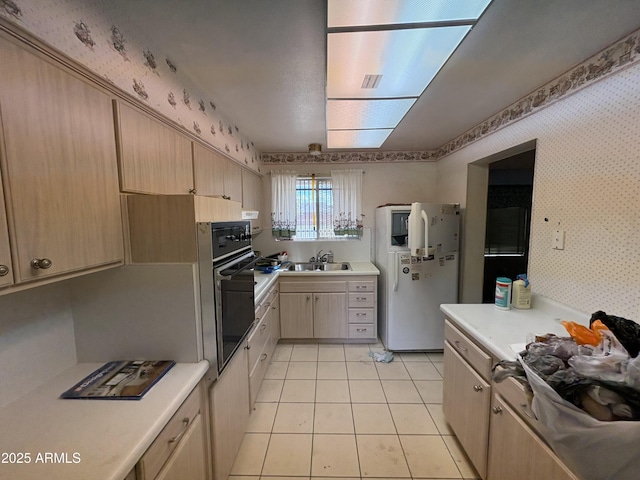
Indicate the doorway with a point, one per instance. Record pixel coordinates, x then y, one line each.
508 224
508 230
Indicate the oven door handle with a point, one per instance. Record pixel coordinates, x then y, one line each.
248 266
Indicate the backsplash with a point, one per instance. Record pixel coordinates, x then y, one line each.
97 35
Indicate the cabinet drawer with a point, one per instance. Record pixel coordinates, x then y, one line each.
361 315
258 371
258 338
362 300
362 330
302 285
478 359
169 438
361 286
517 396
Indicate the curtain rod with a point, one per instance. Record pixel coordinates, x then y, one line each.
309 174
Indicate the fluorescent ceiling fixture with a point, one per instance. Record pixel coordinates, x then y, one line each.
347 13
407 60
363 114
357 138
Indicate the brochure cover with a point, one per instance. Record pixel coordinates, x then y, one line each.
121 380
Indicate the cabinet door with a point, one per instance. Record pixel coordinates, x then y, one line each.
466 402
275 316
330 315
208 171
229 412
189 458
6 272
517 452
296 315
61 179
153 157
233 181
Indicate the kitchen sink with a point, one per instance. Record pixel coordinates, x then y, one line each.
318 266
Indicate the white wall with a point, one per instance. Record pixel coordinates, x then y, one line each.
36 339
382 183
587 182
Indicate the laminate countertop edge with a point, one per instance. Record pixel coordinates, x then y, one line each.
108 437
504 333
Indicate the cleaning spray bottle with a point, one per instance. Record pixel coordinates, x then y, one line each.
521 293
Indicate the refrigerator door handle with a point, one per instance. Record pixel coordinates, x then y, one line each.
396 266
425 218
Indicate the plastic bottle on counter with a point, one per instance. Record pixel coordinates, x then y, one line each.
521 295
503 293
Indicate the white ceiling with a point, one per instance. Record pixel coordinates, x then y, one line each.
263 62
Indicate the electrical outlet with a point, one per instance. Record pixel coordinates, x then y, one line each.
557 242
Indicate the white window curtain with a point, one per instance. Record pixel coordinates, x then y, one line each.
283 203
347 202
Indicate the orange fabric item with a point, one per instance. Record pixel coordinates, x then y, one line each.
584 335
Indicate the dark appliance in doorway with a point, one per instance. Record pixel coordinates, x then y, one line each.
226 270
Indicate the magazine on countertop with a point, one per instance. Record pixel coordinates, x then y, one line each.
120 380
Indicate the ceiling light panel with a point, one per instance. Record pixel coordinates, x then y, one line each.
360 114
348 13
407 60
357 138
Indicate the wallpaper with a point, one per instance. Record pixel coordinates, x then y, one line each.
98 36
618 56
587 183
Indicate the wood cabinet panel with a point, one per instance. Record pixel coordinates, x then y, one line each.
229 412
233 181
188 461
208 171
296 315
329 314
59 162
153 158
466 402
6 268
517 452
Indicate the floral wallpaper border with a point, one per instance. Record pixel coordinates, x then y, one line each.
97 35
609 61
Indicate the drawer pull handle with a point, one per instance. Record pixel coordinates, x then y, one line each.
496 410
361 329
268 304
524 406
263 357
358 287
460 347
264 325
185 422
361 298
361 314
477 388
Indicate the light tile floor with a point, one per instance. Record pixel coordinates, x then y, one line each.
327 411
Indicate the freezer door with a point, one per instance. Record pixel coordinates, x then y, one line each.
415 292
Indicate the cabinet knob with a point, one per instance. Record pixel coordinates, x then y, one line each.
263 357
496 410
308 297
40 263
477 388
193 191
4 270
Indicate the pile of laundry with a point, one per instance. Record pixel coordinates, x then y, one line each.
596 369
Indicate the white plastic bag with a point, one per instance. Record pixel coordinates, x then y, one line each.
592 449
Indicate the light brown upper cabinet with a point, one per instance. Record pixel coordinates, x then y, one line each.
59 168
153 158
6 271
251 191
215 175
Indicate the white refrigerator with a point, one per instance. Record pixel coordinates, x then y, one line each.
417 253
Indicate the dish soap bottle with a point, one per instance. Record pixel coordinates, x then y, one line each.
521 293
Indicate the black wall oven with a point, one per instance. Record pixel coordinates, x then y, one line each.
226 270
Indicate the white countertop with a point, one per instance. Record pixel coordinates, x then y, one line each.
109 436
497 329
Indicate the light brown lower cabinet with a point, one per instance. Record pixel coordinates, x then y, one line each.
516 451
229 397
180 450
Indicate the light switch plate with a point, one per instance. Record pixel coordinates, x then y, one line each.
557 242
